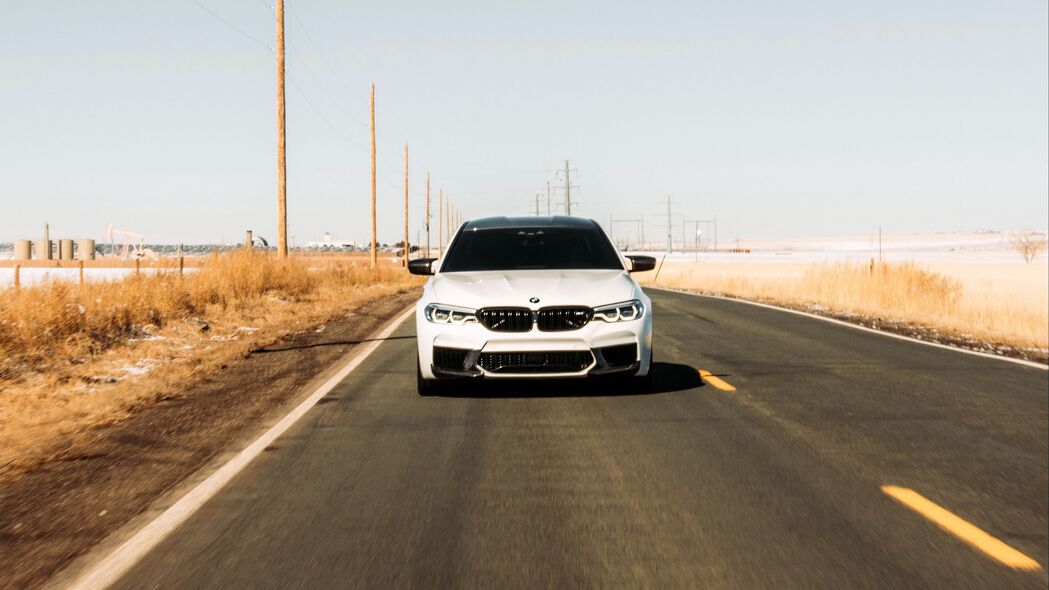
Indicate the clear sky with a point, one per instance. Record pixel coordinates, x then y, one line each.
781 118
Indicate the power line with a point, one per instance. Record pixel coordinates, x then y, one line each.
321 86
383 178
309 71
383 145
321 116
310 40
317 81
320 54
232 26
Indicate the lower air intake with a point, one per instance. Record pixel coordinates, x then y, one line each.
571 361
621 355
449 358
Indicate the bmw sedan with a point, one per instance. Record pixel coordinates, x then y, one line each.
532 298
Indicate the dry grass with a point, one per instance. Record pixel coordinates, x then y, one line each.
74 356
1007 304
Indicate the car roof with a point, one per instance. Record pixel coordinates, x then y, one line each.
512 222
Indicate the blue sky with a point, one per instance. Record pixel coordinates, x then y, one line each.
783 119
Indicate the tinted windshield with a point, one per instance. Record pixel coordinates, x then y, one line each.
529 248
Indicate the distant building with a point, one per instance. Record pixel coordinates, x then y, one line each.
330 243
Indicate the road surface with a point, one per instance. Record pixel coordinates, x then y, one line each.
777 483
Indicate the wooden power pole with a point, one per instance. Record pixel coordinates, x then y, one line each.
375 252
282 168
427 215
440 222
406 205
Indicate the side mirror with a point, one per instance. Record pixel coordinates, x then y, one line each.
641 263
421 266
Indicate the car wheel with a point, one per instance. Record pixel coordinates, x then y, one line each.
425 387
644 384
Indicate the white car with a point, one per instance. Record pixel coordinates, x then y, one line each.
532 298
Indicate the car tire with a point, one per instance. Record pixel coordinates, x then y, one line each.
425 387
644 384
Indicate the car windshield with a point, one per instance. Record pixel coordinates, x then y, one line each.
530 248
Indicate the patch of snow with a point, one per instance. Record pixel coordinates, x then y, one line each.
140 368
33 276
147 338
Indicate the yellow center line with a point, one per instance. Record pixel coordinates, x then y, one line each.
992 547
715 381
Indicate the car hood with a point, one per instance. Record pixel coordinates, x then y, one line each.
516 288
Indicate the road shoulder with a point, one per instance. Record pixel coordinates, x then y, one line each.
58 511
1036 358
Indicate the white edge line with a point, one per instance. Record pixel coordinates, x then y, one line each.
1007 359
110 568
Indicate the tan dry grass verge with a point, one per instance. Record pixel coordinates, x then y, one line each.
1004 304
75 357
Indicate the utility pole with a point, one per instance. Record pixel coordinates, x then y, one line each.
568 189
427 215
670 245
537 195
548 198
638 230
405 205
375 252
282 168
440 222
700 225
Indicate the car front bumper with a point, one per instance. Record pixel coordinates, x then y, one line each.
485 352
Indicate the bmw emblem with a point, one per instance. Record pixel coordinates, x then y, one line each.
534 300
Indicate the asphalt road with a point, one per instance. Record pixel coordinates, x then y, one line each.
775 484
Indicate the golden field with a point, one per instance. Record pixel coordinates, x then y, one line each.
72 356
993 302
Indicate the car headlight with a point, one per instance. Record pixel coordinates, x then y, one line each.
620 312
449 314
